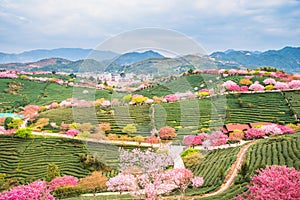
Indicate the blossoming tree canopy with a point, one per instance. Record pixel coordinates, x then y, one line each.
167 132
143 161
256 86
144 174
70 181
35 190
72 132
275 182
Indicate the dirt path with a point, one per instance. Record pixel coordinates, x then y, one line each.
231 175
233 172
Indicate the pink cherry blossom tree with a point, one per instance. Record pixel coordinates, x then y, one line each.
36 190
145 170
256 86
171 97
217 138
286 129
188 140
30 112
275 182
70 181
144 174
271 129
254 133
244 88
269 81
281 85
181 178
231 86
122 182
294 84
197 181
192 140
72 132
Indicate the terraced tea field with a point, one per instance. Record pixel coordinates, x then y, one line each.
258 107
294 99
189 115
284 150
28 159
38 93
213 169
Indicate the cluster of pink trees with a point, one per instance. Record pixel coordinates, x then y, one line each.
216 138
36 190
272 129
62 182
30 112
256 86
193 140
8 74
144 174
281 85
269 83
231 85
46 79
275 182
250 72
231 72
171 98
182 178
254 133
294 84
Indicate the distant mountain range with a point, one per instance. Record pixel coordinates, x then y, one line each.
72 54
287 59
74 60
127 59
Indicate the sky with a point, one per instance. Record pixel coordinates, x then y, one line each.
216 25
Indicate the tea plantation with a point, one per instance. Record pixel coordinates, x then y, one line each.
37 93
213 169
28 159
283 150
186 116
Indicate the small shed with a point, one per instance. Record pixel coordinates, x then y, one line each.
228 128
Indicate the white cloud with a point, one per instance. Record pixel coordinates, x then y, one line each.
55 23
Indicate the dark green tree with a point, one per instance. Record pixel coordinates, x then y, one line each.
190 71
7 121
52 172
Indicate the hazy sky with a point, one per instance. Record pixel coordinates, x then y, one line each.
215 24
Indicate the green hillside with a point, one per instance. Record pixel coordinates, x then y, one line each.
38 93
189 82
28 159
